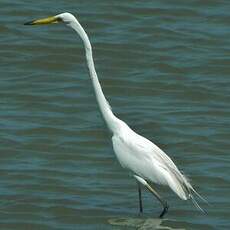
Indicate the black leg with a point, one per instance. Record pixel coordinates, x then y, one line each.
165 210
140 199
163 202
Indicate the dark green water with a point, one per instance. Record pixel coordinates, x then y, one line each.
165 68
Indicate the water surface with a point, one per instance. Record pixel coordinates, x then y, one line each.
164 67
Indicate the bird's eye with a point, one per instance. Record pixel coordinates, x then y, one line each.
59 19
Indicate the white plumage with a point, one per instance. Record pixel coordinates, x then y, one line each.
145 160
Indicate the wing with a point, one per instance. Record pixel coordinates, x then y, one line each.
144 158
140 156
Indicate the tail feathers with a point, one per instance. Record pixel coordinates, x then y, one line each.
188 190
180 184
196 204
198 195
191 194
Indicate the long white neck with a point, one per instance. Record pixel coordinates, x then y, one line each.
111 120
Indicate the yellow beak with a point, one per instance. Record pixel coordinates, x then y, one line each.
44 21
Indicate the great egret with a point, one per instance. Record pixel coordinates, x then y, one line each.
144 159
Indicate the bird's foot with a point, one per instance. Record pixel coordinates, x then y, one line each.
165 210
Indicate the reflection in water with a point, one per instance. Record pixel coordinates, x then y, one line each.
140 223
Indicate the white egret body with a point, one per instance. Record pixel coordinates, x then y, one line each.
144 159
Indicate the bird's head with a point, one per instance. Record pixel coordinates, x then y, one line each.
66 18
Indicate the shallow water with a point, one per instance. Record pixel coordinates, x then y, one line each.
164 67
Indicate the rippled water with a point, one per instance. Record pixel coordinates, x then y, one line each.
164 67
